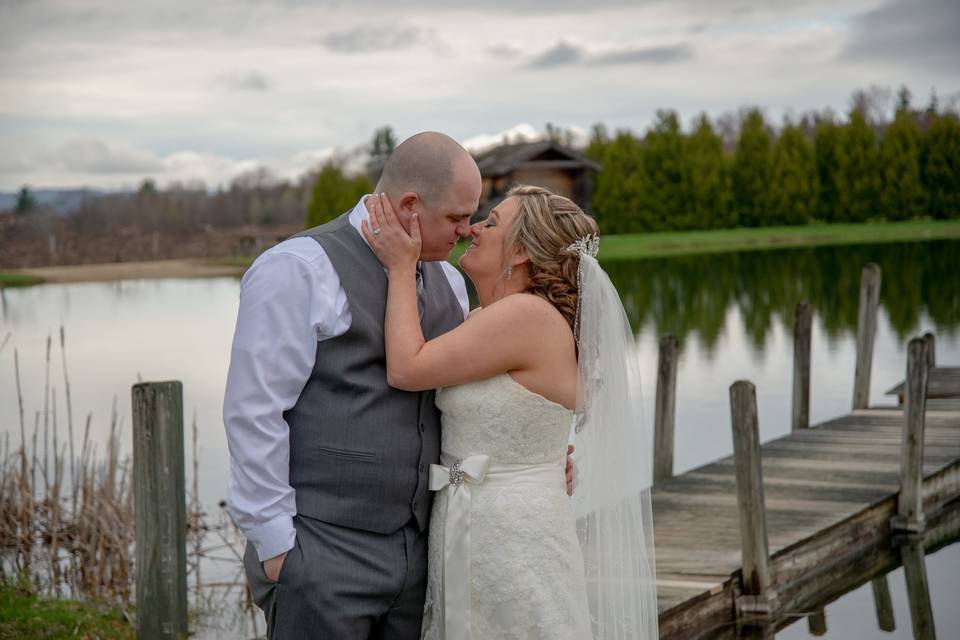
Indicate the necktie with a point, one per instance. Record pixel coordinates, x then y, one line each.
420 291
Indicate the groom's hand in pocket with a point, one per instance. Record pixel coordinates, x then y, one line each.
571 470
272 566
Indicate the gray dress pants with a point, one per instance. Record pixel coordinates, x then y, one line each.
344 583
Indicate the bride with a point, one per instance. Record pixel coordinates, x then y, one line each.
548 353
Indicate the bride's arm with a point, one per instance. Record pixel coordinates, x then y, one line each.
504 336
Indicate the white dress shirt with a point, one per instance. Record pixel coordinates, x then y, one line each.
290 298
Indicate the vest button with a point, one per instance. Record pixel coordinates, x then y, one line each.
422 427
415 505
422 468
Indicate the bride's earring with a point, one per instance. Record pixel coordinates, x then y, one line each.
509 271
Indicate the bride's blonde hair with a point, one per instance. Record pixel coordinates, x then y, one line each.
545 224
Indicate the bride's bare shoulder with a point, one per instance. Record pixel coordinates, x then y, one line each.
524 310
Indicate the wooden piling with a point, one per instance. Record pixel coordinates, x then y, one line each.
665 412
817 623
910 501
803 319
918 590
754 547
866 332
883 603
931 341
160 515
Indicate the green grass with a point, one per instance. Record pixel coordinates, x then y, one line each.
669 243
24 615
673 243
18 280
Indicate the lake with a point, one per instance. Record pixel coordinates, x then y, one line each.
732 312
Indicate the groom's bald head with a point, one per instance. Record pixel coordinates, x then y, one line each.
429 164
431 175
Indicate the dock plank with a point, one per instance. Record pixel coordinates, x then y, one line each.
825 488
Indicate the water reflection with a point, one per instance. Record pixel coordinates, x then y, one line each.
901 594
687 294
738 306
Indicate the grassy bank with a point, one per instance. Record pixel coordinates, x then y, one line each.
24 615
612 248
18 280
668 243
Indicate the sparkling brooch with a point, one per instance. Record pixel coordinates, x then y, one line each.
456 473
588 244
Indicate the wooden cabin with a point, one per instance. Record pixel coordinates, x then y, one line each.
546 164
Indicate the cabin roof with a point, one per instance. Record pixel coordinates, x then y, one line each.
505 158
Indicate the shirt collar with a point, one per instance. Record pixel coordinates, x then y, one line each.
358 214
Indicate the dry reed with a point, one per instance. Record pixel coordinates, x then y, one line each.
67 526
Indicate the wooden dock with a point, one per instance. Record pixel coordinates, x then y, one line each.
755 541
830 492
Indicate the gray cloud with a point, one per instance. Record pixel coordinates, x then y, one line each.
924 31
95 156
245 81
564 54
369 38
558 55
645 55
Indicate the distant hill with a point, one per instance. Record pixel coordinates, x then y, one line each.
60 201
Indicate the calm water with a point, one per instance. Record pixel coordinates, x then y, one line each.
732 312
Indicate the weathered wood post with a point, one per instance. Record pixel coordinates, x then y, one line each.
758 598
909 515
866 332
160 512
664 417
800 413
817 623
931 341
803 319
918 590
883 603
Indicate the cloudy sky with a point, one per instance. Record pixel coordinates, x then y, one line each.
103 94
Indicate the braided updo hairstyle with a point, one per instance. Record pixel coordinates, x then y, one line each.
545 224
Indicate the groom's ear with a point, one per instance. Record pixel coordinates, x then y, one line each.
407 203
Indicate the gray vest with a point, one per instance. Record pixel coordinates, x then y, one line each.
360 450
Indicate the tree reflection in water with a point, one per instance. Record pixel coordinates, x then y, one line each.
687 294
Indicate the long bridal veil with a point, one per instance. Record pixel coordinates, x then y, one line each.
611 499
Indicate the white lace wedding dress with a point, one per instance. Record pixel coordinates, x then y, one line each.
518 572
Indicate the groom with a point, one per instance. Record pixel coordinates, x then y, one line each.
328 464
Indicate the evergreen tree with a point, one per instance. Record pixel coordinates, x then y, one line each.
710 193
663 159
599 140
334 193
861 172
940 166
831 161
901 192
382 145
25 201
751 171
620 193
794 185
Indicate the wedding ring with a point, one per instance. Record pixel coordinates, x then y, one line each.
376 231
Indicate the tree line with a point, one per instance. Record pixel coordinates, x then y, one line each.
817 169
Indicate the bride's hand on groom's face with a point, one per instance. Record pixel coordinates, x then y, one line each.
395 248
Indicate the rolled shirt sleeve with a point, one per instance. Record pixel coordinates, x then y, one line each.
289 299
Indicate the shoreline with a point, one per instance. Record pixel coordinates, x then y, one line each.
154 269
613 248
